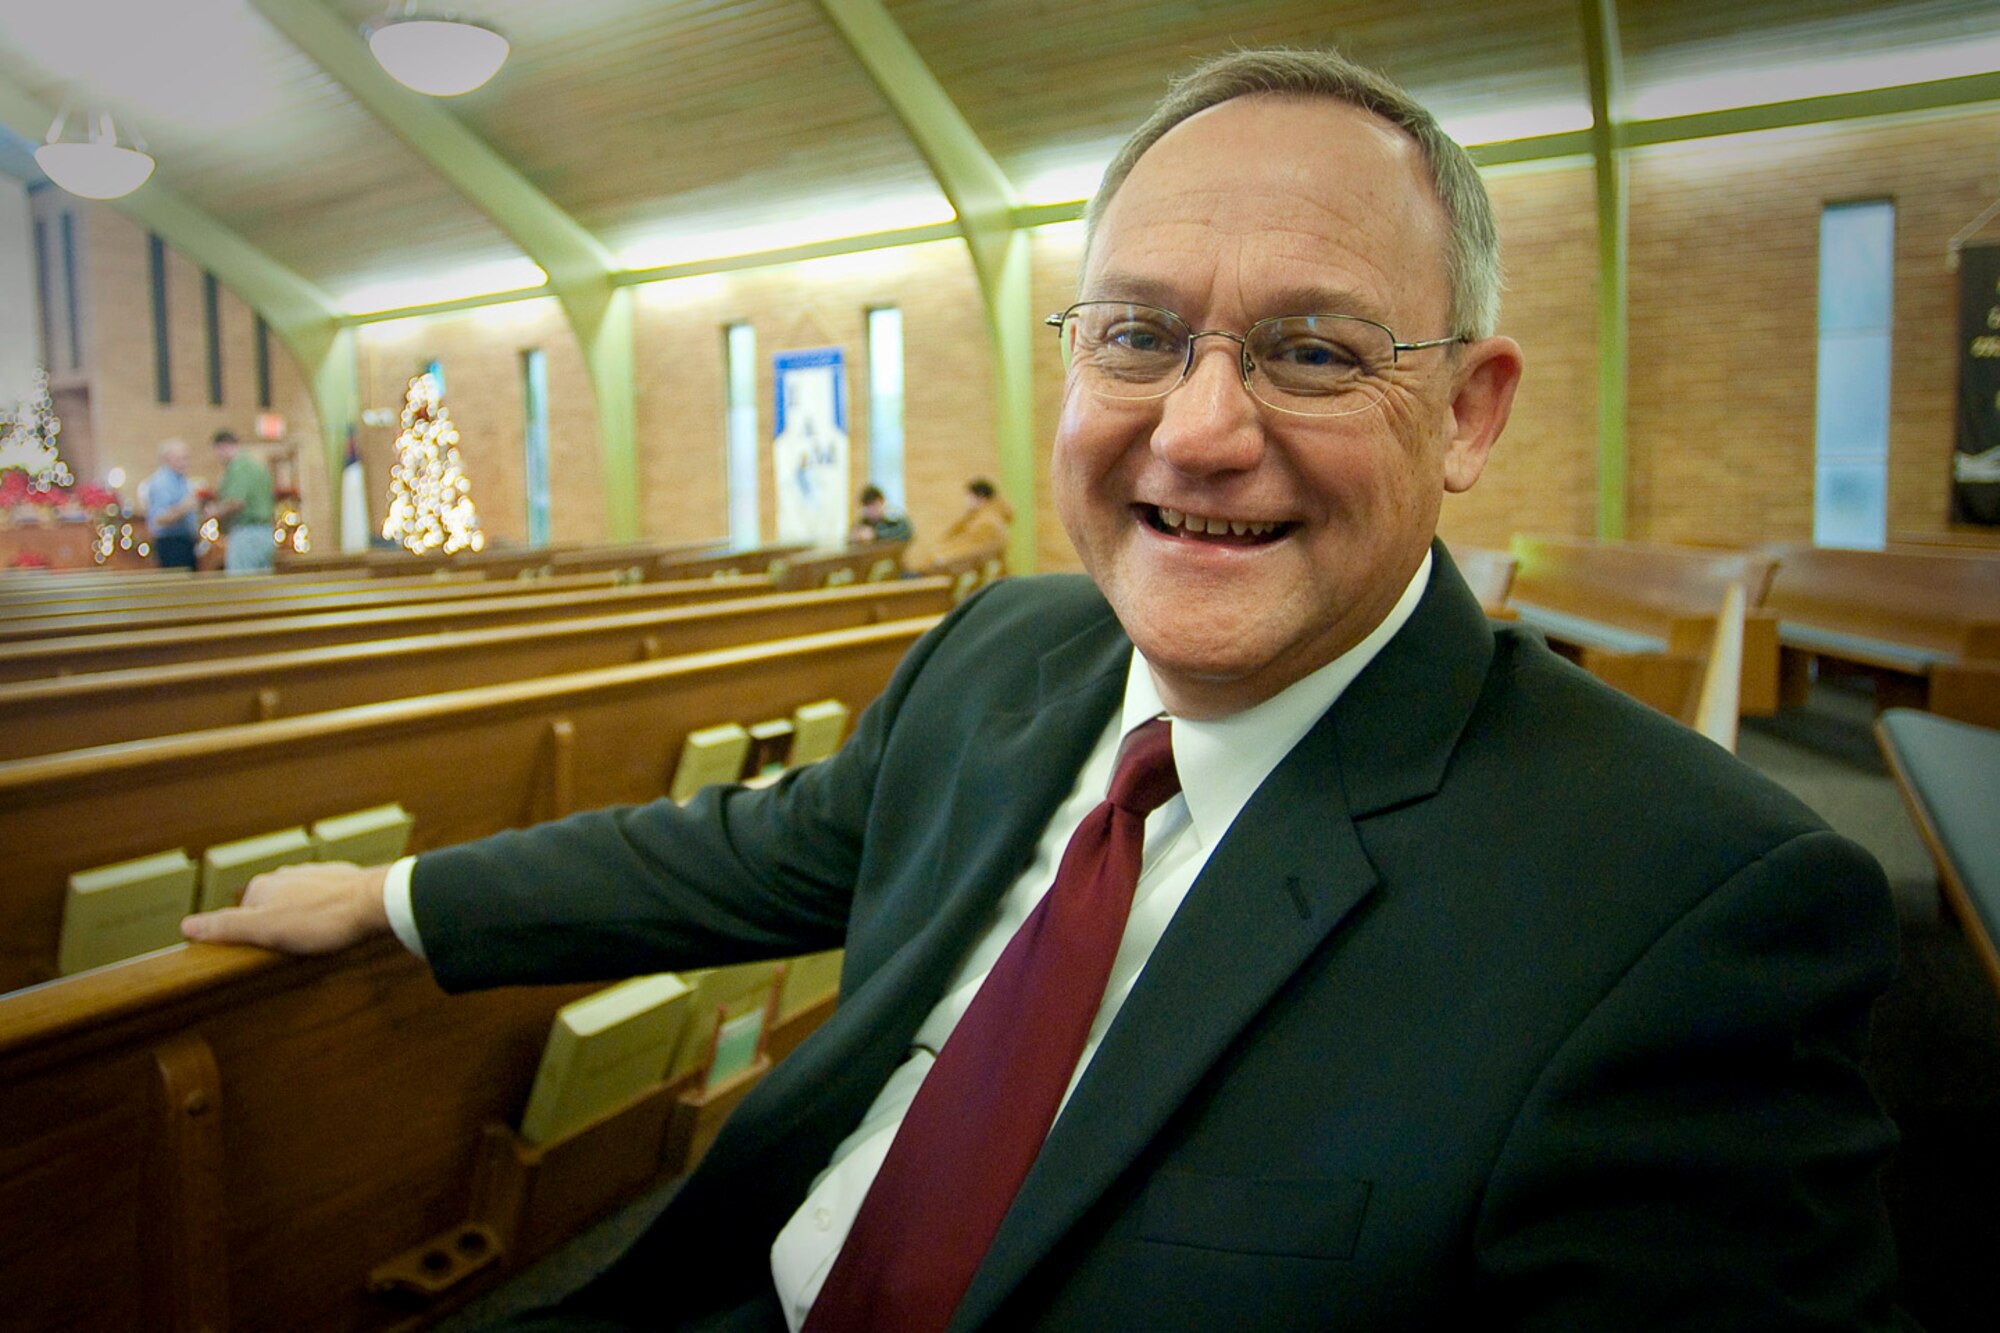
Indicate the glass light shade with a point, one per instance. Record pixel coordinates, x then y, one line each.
438 57
94 170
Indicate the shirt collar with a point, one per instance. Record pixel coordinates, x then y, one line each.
1222 761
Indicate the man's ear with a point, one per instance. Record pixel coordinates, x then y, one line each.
1488 372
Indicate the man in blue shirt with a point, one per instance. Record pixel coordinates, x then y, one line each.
170 502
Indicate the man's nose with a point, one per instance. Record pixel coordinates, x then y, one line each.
1210 423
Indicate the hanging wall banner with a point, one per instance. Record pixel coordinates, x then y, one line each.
809 452
1975 465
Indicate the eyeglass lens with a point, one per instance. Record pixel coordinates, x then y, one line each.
1314 365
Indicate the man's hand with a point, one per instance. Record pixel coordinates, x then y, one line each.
320 907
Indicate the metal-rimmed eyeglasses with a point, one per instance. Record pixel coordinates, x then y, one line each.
1306 365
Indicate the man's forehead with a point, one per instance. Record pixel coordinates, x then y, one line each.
1311 201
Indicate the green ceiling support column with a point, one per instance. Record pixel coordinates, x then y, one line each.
1600 33
298 312
578 265
326 353
605 330
985 201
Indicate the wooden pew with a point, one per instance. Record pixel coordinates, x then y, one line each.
211 1137
102 708
1490 575
762 562
120 615
1893 615
73 654
872 563
1967 691
1644 615
1948 773
501 562
463 763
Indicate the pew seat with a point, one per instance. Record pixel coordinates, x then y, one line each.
1948 773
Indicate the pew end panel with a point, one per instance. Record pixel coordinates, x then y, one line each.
1967 692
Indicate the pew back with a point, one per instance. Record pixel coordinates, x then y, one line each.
464 764
1903 610
102 708
76 653
130 615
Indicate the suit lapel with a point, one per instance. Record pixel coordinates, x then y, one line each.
1015 767
1290 870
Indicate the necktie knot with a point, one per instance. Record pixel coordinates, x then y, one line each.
1145 778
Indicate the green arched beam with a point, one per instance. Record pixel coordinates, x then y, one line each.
578 265
300 313
1605 70
985 202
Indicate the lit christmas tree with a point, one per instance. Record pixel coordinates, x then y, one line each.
430 497
28 442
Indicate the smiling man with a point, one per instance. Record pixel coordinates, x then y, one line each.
1249 936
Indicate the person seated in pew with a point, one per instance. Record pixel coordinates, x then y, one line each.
875 523
1250 935
981 530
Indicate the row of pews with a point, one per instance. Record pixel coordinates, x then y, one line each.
215 1138
1923 623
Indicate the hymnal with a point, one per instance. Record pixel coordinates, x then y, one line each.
226 870
370 837
817 730
709 756
119 911
603 1051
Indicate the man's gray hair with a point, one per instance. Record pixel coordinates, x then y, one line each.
1472 260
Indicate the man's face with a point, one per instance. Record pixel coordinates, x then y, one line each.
1260 207
176 459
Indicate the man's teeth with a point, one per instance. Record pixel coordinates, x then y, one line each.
1219 527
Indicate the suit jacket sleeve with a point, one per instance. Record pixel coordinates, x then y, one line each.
737 874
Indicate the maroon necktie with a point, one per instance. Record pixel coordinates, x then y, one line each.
984 1108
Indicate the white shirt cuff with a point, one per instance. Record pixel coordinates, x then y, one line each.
396 902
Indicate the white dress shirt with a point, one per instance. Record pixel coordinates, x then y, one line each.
1221 763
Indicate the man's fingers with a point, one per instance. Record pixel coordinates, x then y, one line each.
315 908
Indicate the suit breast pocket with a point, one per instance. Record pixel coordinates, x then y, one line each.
1307 1218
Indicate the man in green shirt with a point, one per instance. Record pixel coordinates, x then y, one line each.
243 506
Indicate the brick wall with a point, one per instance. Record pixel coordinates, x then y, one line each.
1724 294
1541 476
947 377
126 422
1723 280
481 352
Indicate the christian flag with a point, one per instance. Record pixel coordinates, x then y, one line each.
354 525
1975 465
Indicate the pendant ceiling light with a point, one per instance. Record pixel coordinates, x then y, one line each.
441 57
97 167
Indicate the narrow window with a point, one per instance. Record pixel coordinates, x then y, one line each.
44 292
885 403
1851 441
262 350
740 352
211 326
156 268
535 438
70 300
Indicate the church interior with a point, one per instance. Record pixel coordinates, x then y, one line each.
563 386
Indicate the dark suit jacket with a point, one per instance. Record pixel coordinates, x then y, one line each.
1506 1003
